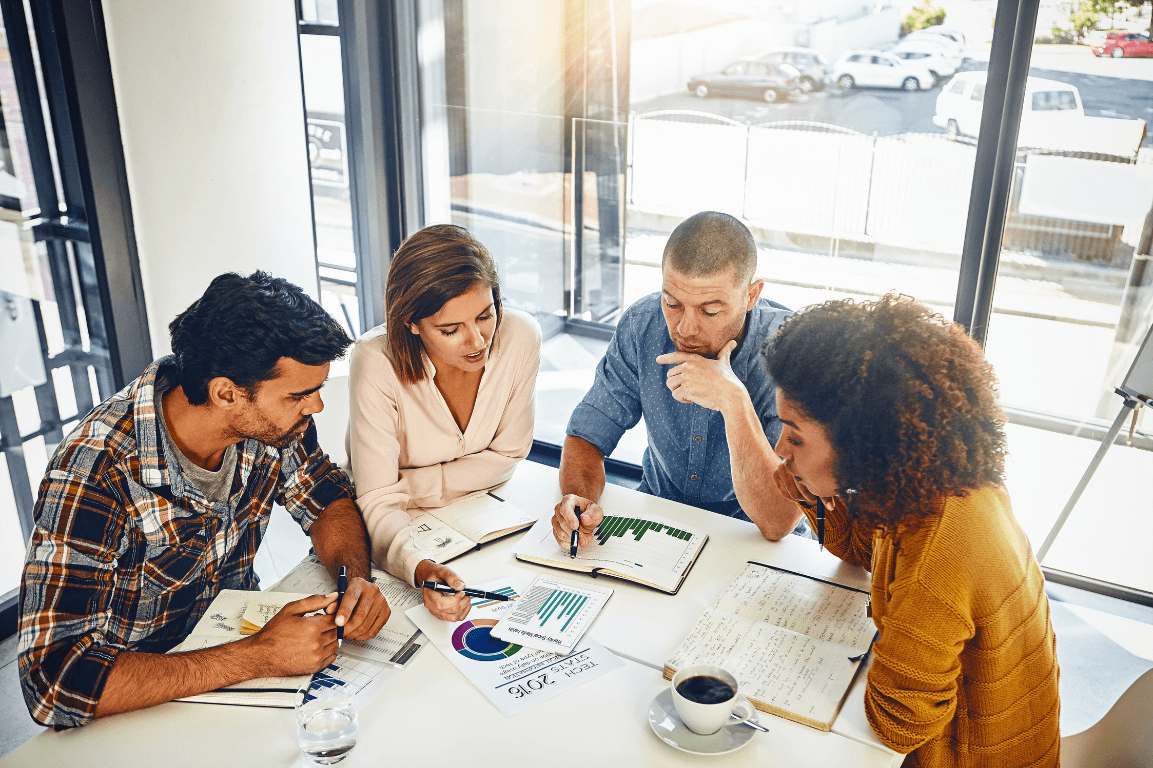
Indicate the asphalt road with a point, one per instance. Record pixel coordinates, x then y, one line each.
887 112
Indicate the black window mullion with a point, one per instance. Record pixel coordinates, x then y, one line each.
1016 21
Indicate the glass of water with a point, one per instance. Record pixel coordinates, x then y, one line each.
325 725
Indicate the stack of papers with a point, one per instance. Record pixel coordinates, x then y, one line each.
511 676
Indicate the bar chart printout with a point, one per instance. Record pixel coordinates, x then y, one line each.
553 616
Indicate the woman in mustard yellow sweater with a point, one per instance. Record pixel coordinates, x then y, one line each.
893 436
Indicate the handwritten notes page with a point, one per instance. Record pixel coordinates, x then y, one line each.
436 540
793 643
804 605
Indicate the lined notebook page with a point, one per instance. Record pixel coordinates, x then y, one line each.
804 605
791 673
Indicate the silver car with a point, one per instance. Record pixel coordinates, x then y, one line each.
814 69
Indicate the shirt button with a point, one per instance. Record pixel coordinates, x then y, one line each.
694 477
697 438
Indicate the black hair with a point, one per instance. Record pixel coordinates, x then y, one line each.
710 242
242 326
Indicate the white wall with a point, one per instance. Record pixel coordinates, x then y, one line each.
212 119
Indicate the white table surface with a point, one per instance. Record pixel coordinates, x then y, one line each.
430 714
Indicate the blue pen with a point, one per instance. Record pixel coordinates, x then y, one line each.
575 538
341 585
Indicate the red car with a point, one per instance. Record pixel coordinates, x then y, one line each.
1122 44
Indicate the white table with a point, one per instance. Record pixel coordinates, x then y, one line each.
429 714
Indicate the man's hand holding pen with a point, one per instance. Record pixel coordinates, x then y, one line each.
362 612
564 521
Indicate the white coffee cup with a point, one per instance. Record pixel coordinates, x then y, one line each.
710 718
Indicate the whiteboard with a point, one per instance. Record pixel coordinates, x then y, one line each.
1139 381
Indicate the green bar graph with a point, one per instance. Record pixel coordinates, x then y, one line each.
561 604
614 526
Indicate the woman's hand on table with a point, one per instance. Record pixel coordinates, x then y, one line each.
445 607
564 519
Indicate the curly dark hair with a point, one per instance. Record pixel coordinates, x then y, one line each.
907 399
242 326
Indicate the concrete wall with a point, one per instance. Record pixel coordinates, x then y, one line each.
663 65
212 119
833 39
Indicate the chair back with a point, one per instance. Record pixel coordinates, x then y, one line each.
1123 738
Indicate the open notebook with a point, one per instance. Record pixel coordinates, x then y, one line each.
649 551
221 624
793 642
446 532
236 613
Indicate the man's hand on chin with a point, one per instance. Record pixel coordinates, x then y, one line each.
708 383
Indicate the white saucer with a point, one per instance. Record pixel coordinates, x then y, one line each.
670 729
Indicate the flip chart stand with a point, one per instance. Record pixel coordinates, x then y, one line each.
1137 390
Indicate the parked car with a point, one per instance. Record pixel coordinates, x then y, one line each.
880 69
814 69
941 62
1122 44
760 79
1046 101
956 35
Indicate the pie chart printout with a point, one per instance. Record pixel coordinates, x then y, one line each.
473 640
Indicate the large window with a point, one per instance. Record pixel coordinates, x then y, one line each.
1074 299
572 137
320 63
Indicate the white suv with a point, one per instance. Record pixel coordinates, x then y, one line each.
1046 102
940 60
884 70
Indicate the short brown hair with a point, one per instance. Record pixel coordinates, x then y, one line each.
431 267
711 242
907 399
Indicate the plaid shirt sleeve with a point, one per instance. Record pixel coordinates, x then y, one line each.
69 628
309 481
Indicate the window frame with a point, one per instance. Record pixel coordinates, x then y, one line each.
989 198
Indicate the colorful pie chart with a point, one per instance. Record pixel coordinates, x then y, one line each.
473 640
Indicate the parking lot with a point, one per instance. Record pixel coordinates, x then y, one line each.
1109 88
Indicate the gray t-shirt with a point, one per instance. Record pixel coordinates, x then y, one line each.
214 485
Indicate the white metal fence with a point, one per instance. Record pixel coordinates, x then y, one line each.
812 178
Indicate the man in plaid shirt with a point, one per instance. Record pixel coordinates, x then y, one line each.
160 498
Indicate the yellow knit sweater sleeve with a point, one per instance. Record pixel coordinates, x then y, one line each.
843 537
912 692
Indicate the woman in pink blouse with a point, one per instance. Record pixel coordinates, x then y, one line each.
441 397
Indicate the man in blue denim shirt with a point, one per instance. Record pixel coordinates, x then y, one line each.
687 360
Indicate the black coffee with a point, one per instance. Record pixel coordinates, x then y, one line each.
704 689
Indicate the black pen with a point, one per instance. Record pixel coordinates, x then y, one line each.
821 526
341 585
445 589
575 538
